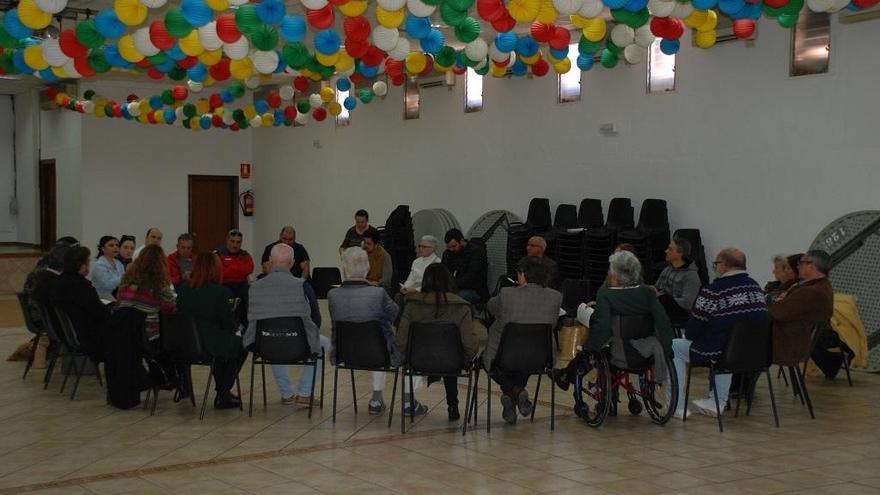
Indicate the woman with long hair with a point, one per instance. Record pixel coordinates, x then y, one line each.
207 301
146 286
438 303
107 271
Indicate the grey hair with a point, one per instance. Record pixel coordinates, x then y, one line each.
820 259
429 239
733 257
540 240
780 260
355 263
288 228
626 268
281 255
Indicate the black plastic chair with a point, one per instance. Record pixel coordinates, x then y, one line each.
362 346
538 216
814 344
748 351
74 353
182 344
524 348
565 217
590 213
620 214
283 341
32 326
433 349
323 279
57 343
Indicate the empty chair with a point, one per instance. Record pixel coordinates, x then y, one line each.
620 214
590 213
362 346
74 352
653 215
566 217
574 292
323 279
32 327
539 214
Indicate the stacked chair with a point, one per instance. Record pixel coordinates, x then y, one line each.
540 221
698 252
598 243
397 239
569 245
650 237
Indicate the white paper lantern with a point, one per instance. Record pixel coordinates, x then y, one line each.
237 3
134 109
400 50
591 8
257 121
265 62
195 87
644 36
142 42
227 118
385 38
419 8
315 100
53 54
391 5
347 72
314 4
238 49
477 49
820 5
481 64
567 7
682 10
70 69
380 88
154 4
838 5
661 8
252 82
496 54
635 54
286 92
178 112
208 36
51 6
622 35
302 118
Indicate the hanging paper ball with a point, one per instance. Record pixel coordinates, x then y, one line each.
350 103
109 25
585 62
327 42
608 59
540 68
661 8
705 39
321 18
143 43
176 24
265 61
315 100
130 12
595 29
264 38
357 28
195 87
390 19
301 84
53 54
154 4
744 28
271 11
477 49
227 31
418 27
419 8
51 6
415 62
643 36
68 42
506 42
293 28
365 95
452 16
88 34
237 50
670 47
634 54
622 35
343 84
400 50
434 42
31 16
542 32
196 12
13 25
209 38
524 10
247 20
385 38
334 108
468 30
33 57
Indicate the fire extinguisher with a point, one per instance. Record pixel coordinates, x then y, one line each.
246 201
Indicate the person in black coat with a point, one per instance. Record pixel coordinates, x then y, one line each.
72 293
469 266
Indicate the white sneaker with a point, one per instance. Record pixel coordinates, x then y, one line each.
679 414
707 406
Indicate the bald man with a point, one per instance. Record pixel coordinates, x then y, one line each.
301 261
733 296
153 237
537 247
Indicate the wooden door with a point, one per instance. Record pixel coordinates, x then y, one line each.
213 209
48 213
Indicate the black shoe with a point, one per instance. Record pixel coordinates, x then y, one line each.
560 378
454 415
227 401
509 409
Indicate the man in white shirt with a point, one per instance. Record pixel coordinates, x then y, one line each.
427 245
153 238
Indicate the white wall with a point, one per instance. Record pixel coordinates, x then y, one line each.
61 138
750 156
8 221
27 149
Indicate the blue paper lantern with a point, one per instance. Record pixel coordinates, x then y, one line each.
48 75
350 102
369 71
165 66
156 102
635 5
108 24
615 4
704 4
559 54
226 96
506 42
327 42
169 115
418 27
205 122
175 53
433 42
585 61
271 11
527 46
343 84
19 63
731 7
293 28
262 106
123 109
111 54
198 72
14 27
196 12
282 65
670 47
519 68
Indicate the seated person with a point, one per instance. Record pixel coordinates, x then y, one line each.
799 309
107 271
469 266
127 244
733 296
381 268
537 247
280 294
438 303
355 235
146 287
180 262
356 300
301 262
72 293
678 283
153 237
427 246
37 286
529 302
237 268
65 241
203 298
785 274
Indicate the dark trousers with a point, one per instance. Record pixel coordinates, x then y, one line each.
512 384
675 313
240 291
225 371
830 362
451 385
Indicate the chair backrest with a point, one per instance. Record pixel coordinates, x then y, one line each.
181 340
539 214
653 215
631 327
50 325
435 348
282 340
566 217
748 346
71 339
361 345
24 301
620 214
524 348
574 292
323 278
590 213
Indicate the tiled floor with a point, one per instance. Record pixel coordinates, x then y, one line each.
54 445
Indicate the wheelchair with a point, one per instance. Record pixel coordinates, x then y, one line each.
599 383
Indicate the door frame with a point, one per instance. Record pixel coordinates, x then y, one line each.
48 217
233 179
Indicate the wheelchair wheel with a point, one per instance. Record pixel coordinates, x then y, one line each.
660 399
635 407
591 391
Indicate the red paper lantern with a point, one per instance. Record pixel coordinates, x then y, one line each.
429 66
504 23
290 112
132 97
459 70
744 28
217 121
393 67
187 63
355 48
542 32
373 57
117 110
540 68
865 4
675 29
503 63
220 70
321 18
71 46
155 73
338 2
776 3
51 92
234 128
274 100
301 84
145 63
65 101
660 26
151 118
398 80
215 100
561 38
227 31
319 114
491 10
357 28
179 92
357 78
82 66
159 35
79 107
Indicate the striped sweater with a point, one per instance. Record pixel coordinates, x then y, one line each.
718 306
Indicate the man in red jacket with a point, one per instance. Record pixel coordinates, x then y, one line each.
180 261
237 267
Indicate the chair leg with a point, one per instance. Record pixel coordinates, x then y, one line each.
795 382
238 389
263 374
772 398
537 390
781 373
471 411
412 401
251 397
79 370
846 368
155 401
312 391
30 361
742 390
189 383
552 407
65 370
98 373
354 397
323 363
715 395
403 403
147 399
335 387
804 393
488 402
467 404
207 389
687 393
393 397
49 369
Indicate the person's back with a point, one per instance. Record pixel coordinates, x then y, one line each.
359 302
627 301
209 306
528 303
424 307
279 294
76 296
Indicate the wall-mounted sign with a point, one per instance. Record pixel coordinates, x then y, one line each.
245 170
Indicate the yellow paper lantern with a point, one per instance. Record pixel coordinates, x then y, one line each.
316 77
547 13
327 60
209 81
334 108
31 15
416 62
145 107
130 12
241 69
442 68
33 57
553 60
218 5
578 20
60 72
563 66
203 106
345 61
142 118
220 111
305 72
711 22
595 29
705 39
353 8
194 124
524 10
191 45
696 19
128 51
531 59
327 94
498 71
390 19
267 120
250 112
159 115
60 97
211 57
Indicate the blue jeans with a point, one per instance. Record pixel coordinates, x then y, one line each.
285 385
682 350
469 295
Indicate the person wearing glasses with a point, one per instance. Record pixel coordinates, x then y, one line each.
427 245
678 283
785 274
798 310
127 243
107 271
237 268
536 247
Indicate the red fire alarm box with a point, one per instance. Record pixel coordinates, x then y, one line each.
245 170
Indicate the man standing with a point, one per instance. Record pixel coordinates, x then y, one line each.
381 268
355 235
678 283
733 296
180 262
468 265
536 247
301 262
153 238
237 267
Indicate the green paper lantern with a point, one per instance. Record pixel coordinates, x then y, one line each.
244 124
611 47
451 15
88 34
631 19
587 46
168 97
71 105
365 95
89 94
177 73
238 116
484 70
468 62
6 41
468 30
237 90
176 24
296 55
6 63
158 59
432 2
108 109
265 38
787 20
446 56
461 5
288 122
189 110
186 123
608 59
247 20
98 61
303 106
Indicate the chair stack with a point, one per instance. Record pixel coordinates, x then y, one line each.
540 221
590 214
518 235
599 246
698 252
620 217
569 246
654 222
397 239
